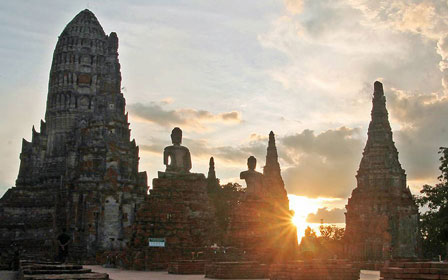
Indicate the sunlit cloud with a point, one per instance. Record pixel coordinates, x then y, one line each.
325 215
294 6
202 149
424 129
188 118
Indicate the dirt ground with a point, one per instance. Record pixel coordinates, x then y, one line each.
7 275
118 274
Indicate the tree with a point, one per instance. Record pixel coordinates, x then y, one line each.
328 245
434 222
225 199
331 232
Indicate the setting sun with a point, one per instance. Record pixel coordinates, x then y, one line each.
302 207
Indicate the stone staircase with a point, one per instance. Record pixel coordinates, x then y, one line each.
35 270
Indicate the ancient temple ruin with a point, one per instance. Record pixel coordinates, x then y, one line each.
261 224
177 220
80 171
382 217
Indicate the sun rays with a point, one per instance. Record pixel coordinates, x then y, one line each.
302 207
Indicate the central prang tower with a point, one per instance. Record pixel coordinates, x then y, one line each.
80 172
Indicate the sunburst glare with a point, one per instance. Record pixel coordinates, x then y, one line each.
302 207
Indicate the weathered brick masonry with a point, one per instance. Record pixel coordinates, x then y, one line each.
80 171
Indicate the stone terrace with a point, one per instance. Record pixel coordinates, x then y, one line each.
237 270
30 270
415 270
316 270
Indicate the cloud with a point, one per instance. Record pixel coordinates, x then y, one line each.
152 148
427 18
417 17
191 118
423 121
335 215
294 6
344 50
202 149
442 50
167 100
402 41
442 47
258 137
324 164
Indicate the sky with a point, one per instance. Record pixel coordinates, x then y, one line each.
228 72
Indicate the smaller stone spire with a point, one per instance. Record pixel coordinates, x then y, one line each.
212 181
272 166
211 170
272 173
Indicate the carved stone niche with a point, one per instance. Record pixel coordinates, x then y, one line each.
84 80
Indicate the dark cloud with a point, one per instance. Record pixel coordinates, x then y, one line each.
423 121
335 215
155 113
324 164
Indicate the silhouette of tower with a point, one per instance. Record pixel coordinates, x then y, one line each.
212 181
382 217
272 174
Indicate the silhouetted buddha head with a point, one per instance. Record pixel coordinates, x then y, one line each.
251 163
176 136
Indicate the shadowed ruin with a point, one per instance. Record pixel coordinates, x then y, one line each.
262 223
80 171
382 217
177 213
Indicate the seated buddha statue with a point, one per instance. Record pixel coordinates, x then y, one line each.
254 179
176 157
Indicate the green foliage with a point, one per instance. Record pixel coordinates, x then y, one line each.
225 199
434 222
331 233
325 246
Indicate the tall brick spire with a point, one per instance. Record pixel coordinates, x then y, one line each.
380 155
382 217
